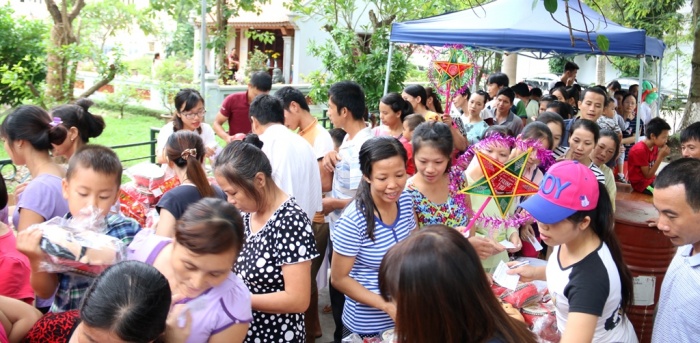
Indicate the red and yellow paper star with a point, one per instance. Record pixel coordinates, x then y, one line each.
502 182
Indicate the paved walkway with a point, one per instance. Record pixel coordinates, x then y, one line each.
327 324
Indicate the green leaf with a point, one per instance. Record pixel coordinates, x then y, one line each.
550 5
534 4
603 43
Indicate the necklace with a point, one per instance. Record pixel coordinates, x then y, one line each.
306 129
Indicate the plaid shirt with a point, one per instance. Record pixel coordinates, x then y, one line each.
72 287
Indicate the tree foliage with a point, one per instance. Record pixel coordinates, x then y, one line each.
219 12
22 51
359 52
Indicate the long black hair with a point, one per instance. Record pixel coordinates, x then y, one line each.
131 299
374 150
397 104
603 224
79 116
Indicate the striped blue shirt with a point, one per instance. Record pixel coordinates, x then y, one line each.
350 239
678 310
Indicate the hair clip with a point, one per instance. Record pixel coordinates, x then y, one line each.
56 121
188 152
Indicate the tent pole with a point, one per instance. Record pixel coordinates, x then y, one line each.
639 98
659 69
388 68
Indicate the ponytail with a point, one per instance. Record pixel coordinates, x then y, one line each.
602 223
186 150
195 172
365 204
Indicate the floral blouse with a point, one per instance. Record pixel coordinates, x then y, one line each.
450 213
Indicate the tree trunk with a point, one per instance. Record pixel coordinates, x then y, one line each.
600 70
56 62
57 87
692 110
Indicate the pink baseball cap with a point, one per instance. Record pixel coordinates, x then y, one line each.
566 188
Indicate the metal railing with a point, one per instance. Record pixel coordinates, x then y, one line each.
153 133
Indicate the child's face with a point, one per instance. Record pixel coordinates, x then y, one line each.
661 139
610 110
498 152
543 106
86 187
691 148
431 164
407 132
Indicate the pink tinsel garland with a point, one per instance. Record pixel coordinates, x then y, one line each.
458 181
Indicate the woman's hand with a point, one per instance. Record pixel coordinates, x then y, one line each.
390 309
527 272
485 247
178 325
527 233
516 241
20 188
447 119
28 243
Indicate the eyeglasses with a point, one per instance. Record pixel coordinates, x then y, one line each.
192 115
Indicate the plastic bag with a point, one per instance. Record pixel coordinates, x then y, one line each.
146 175
542 319
525 294
78 245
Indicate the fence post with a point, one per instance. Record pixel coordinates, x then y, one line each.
153 133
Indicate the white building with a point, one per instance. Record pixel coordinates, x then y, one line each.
293 32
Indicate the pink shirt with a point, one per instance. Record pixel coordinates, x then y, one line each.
15 271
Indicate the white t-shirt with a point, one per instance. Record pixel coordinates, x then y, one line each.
207 136
347 175
294 166
584 288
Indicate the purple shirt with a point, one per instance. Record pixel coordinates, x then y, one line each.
43 195
216 309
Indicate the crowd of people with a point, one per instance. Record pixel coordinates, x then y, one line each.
239 255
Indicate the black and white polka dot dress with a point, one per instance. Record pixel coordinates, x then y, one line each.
286 238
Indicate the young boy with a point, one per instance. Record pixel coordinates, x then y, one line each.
646 156
494 83
410 123
690 141
93 179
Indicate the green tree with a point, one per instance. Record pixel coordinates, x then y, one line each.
221 11
72 42
359 52
22 56
182 41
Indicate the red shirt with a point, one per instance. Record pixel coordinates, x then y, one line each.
53 327
640 156
410 165
235 108
15 270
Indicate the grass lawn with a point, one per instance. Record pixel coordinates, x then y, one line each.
130 129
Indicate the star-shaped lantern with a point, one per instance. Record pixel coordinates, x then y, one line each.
501 182
451 71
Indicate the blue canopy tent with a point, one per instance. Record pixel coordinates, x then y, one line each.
514 26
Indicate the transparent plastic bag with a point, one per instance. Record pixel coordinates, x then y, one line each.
544 326
78 245
525 294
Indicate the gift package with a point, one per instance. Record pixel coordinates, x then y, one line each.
148 184
78 245
536 308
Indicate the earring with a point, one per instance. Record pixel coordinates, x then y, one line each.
72 139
